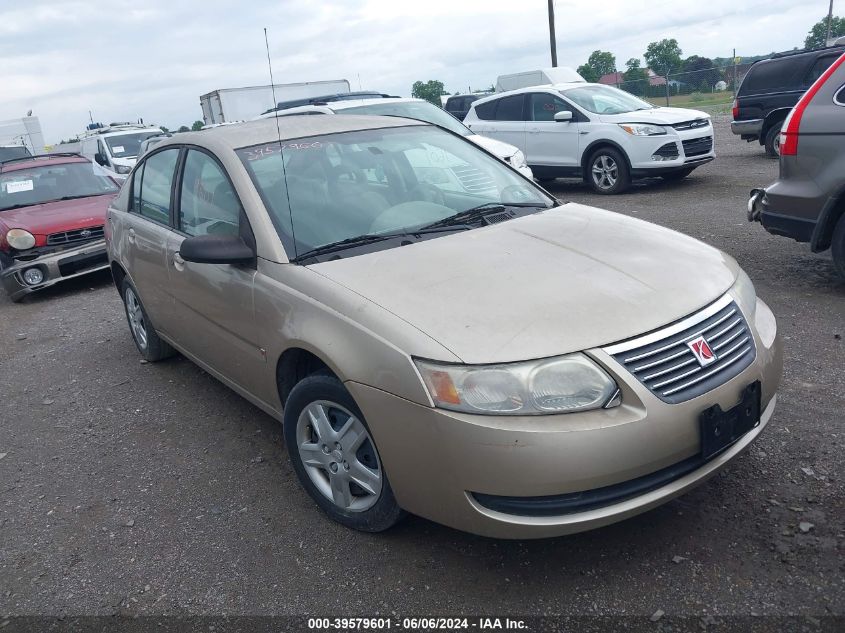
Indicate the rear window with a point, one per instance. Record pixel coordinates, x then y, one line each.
818 68
486 111
510 108
774 75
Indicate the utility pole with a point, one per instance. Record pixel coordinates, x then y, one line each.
667 85
734 60
552 41
829 19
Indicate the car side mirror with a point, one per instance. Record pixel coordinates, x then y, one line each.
216 249
100 159
563 117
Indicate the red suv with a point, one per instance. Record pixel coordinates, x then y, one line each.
52 211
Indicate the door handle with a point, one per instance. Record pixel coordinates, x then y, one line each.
178 262
131 237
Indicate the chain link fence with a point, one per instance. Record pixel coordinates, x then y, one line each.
705 84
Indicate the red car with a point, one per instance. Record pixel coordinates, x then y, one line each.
52 212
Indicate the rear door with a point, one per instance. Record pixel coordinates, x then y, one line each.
147 232
550 142
502 119
213 303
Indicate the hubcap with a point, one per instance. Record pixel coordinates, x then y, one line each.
136 318
339 455
776 144
605 172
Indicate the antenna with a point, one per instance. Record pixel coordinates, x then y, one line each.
279 135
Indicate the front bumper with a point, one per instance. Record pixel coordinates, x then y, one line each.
437 459
748 129
678 151
55 266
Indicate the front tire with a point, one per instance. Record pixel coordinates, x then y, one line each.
335 457
607 171
146 339
837 247
772 142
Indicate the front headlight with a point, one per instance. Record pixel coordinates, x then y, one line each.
643 129
554 385
122 169
518 160
20 240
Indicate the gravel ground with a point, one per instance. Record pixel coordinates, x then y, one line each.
141 489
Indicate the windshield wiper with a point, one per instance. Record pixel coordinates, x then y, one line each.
371 238
476 213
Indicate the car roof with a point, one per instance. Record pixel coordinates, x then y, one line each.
517 91
282 128
41 160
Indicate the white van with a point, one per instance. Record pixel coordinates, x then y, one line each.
116 147
542 77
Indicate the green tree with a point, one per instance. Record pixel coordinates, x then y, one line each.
663 56
816 36
163 129
699 72
183 128
636 78
430 91
599 63
196 126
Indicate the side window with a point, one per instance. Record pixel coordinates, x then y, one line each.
818 68
208 204
135 204
544 106
156 184
510 108
101 148
486 111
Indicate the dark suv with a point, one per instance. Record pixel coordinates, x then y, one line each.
807 201
458 105
770 89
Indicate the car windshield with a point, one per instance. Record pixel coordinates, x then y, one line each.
46 183
324 189
127 145
605 99
419 110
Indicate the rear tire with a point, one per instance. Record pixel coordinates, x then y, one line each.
837 247
607 171
146 339
335 457
772 141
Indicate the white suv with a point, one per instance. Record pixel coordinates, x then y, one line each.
414 109
600 133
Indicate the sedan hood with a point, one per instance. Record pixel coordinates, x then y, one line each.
498 148
62 215
554 282
659 116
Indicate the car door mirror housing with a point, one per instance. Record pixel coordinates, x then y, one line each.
216 249
563 117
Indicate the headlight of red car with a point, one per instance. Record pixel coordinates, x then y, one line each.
20 240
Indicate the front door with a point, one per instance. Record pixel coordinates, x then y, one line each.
550 142
213 302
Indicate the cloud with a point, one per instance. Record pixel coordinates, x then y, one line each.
123 59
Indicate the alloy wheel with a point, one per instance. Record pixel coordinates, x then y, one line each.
339 456
136 318
605 172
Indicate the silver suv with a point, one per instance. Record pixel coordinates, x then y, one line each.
807 201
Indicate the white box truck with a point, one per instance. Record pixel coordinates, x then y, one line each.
228 105
542 77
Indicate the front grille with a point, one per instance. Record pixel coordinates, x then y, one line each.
691 125
670 150
473 179
664 363
78 236
698 146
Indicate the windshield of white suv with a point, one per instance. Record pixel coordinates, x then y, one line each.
605 99
47 183
370 184
128 145
419 110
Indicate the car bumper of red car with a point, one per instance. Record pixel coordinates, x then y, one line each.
54 267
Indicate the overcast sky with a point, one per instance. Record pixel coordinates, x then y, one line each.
125 59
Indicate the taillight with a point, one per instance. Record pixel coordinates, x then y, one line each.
735 109
790 127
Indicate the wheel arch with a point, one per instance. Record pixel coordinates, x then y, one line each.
118 274
298 362
598 144
831 215
772 118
